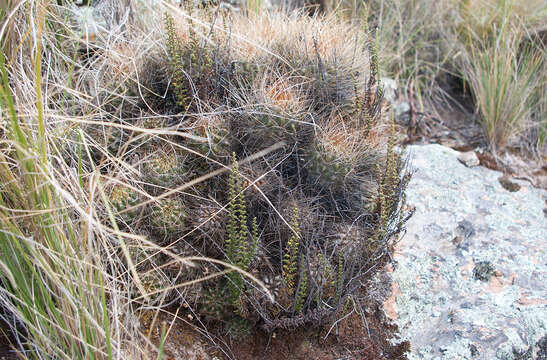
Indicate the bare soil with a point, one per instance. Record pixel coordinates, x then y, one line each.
353 338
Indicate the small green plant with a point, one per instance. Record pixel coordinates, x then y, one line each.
241 244
175 53
302 287
290 257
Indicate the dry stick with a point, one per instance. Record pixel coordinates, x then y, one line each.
357 306
412 107
336 323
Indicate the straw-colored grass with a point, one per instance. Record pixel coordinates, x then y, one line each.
503 63
494 46
69 283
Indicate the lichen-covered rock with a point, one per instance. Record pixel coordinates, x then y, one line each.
471 274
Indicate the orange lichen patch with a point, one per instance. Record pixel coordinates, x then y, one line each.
534 259
390 306
496 285
527 301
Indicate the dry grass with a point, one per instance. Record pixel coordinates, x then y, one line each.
503 63
494 46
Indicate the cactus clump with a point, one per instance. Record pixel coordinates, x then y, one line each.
168 217
123 198
164 169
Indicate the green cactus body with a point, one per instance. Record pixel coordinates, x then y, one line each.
168 216
122 198
326 167
164 169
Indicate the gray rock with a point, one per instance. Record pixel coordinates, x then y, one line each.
469 158
390 89
466 220
401 108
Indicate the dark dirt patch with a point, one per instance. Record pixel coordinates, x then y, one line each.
6 352
349 340
353 338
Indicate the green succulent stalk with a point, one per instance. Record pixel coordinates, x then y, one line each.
388 182
364 15
290 257
174 51
339 276
302 289
375 67
241 244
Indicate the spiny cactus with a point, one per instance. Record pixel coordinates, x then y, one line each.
213 130
238 328
164 168
141 256
122 198
326 167
325 107
348 240
214 302
153 282
168 216
106 140
209 218
279 123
